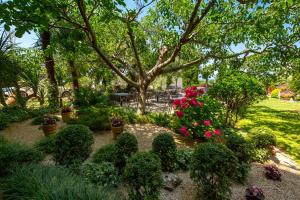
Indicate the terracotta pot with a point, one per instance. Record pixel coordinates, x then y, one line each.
49 129
66 116
116 131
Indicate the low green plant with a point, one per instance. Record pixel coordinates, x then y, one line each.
164 146
103 174
106 153
51 182
261 155
14 154
3 121
73 144
212 166
126 146
262 137
275 93
183 159
160 119
46 144
243 150
143 176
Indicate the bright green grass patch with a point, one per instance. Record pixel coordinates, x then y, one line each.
283 117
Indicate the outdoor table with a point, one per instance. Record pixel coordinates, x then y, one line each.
121 96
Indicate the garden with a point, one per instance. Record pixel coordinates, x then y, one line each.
149 100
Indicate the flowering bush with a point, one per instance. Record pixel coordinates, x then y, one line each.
199 115
49 120
66 109
117 122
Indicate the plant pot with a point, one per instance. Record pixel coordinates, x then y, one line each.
66 116
116 131
49 129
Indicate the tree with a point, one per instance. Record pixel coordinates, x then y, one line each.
171 35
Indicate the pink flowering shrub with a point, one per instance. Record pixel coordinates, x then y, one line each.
200 116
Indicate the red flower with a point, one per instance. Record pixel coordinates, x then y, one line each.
201 104
194 87
176 102
201 91
207 134
183 100
179 113
196 124
184 131
190 92
217 131
184 106
193 102
207 122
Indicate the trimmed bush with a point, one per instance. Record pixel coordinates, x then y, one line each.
143 176
49 183
261 155
14 154
217 161
275 93
46 145
106 153
262 137
183 159
3 121
104 174
164 146
73 144
243 150
126 146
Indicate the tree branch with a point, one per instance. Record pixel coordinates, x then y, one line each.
93 40
193 22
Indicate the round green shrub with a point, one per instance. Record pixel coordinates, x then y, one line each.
126 146
261 155
164 146
262 137
143 176
46 145
14 154
3 121
217 161
73 144
49 183
106 153
243 150
104 174
275 93
183 159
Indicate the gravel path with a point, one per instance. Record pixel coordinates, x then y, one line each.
287 189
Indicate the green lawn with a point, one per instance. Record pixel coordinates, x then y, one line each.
283 117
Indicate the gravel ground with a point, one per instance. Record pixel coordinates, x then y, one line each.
287 189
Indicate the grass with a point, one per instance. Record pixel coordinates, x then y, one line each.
283 117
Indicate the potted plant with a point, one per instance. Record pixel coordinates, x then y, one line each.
117 126
66 113
49 125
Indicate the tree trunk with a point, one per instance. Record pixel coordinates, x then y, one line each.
49 63
74 75
142 100
2 98
20 100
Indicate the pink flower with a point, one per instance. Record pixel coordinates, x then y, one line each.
207 134
207 122
217 131
201 91
193 102
201 104
179 113
196 124
187 134
190 93
183 130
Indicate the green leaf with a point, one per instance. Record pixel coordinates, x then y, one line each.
6 27
19 33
